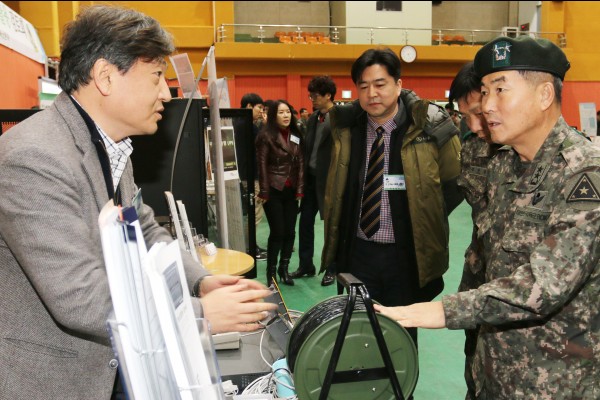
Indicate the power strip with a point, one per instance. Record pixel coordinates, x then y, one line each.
226 341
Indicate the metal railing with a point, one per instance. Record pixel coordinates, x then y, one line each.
265 33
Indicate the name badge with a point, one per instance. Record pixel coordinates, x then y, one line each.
294 139
394 182
136 201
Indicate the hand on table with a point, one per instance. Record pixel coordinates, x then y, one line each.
236 307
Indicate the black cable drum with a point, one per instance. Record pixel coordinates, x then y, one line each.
313 338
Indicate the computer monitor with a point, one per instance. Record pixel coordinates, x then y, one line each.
152 160
9 118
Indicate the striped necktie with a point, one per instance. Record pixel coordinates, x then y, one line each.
371 200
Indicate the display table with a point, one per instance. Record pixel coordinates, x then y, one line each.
229 262
247 358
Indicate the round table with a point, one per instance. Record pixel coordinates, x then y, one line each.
229 262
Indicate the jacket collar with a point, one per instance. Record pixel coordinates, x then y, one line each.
535 172
399 119
83 136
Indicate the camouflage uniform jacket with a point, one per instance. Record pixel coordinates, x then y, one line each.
539 311
475 155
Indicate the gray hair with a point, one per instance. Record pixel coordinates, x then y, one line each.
120 36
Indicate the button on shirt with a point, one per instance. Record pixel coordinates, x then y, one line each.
118 154
385 234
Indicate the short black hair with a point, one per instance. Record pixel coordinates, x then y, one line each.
269 103
384 57
251 98
536 77
118 35
465 82
304 109
322 85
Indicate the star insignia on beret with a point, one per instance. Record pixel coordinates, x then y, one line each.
583 190
501 54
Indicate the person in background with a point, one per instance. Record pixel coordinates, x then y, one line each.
281 166
304 114
538 311
303 121
449 107
598 123
59 168
254 102
477 152
266 105
317 151
392 236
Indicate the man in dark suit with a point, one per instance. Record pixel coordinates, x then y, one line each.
317 153
254 102
59 168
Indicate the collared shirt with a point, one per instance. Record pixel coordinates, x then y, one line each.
385 234
118 154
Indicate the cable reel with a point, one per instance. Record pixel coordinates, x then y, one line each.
359 369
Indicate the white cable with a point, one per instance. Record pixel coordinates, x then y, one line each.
250 334
276 380
260 350
229 389
260 385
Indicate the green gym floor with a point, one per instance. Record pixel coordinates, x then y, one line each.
441 357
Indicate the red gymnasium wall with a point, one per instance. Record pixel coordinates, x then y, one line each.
18 80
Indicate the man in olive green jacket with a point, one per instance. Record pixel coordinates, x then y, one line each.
403 262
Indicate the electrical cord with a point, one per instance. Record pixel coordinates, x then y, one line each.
260 349
185 114
313 319
267 384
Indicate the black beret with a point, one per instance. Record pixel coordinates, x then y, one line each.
521 53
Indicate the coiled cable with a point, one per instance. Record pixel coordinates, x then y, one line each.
318 315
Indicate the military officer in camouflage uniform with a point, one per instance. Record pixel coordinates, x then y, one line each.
476 153
538 312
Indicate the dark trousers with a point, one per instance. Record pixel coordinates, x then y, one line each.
308 210
387 273
281 210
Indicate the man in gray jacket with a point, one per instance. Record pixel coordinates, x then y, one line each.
59 168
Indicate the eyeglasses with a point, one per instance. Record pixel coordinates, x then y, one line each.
313 96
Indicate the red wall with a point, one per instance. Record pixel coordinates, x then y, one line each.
575 93
18 80
293 88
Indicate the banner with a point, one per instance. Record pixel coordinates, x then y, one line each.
19 35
